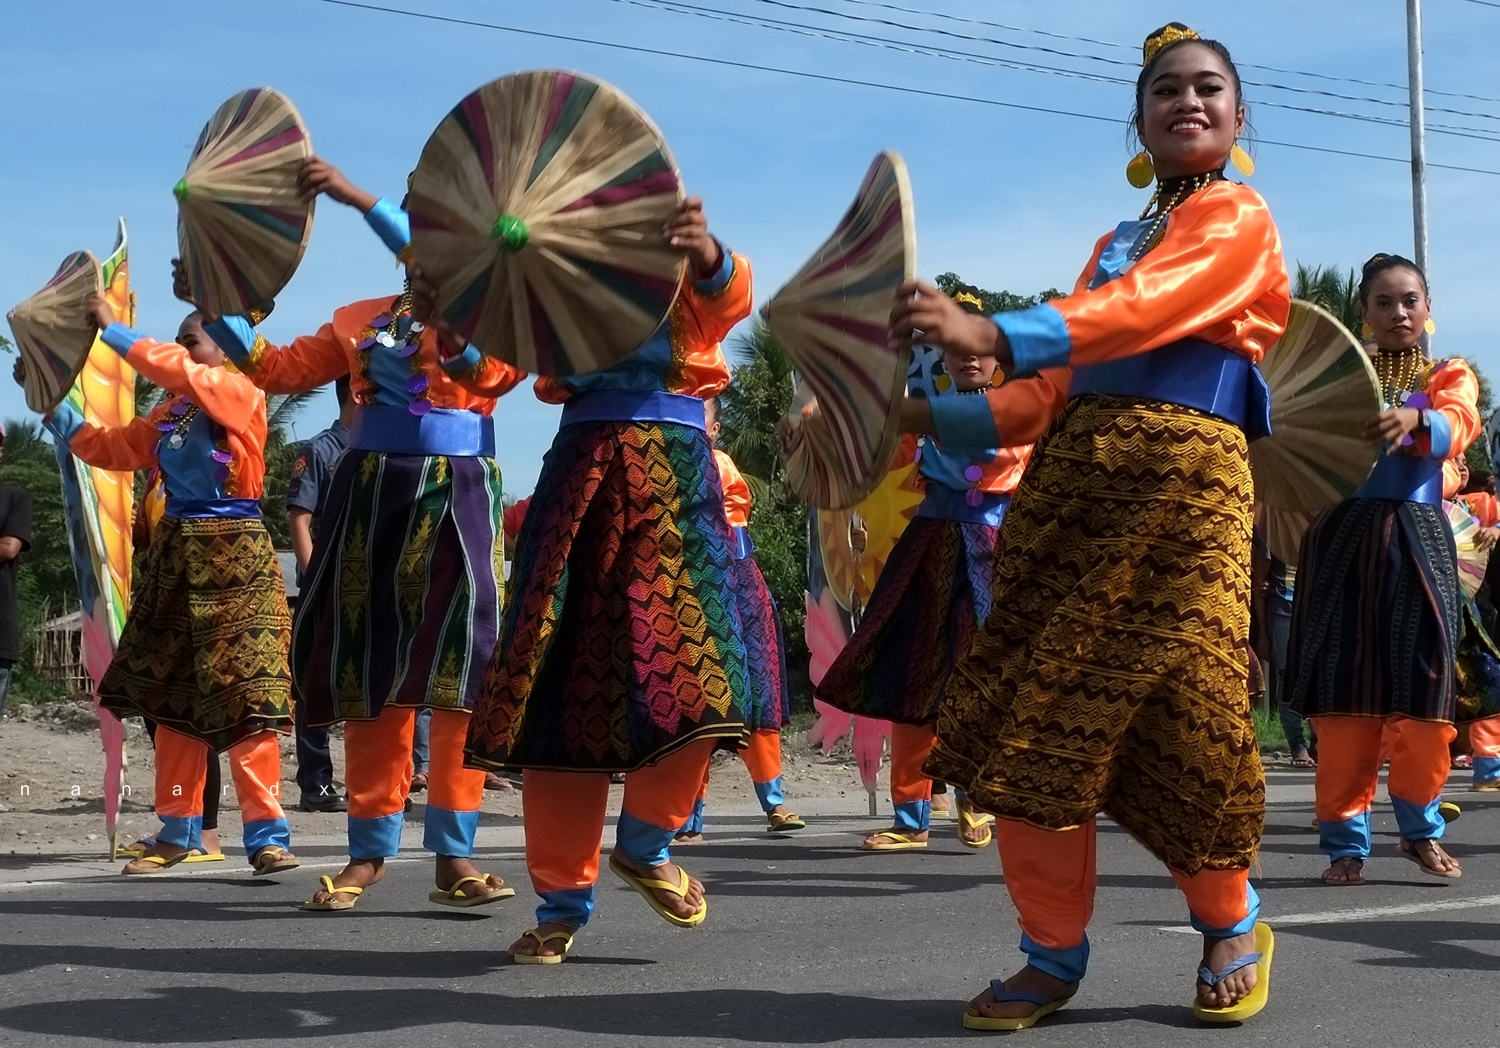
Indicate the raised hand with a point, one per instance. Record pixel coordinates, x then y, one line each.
318 176
688 229
923 314
100 311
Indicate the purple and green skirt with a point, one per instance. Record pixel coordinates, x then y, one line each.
768 702
402 602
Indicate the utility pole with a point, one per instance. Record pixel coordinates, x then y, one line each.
1418 130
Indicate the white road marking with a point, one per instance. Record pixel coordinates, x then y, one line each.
1291 920
26 884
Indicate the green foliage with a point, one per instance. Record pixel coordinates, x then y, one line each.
1338 293
996 301
1268 731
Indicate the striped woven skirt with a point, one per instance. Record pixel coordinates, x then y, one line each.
923 615
768 702
402 602
204 650
621 641
1112 671
1377 618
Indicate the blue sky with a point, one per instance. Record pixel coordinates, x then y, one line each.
102 103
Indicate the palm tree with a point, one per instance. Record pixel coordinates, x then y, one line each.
752 407
1339 294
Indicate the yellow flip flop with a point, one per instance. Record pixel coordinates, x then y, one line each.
1045 1006
157 862
648 886
898 842
273 859
332 902
543 940
777 822
1255 1000
456 896
973 822
202 856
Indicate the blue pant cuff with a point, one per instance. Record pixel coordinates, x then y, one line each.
770 795
1346 838
450 832
1068 965
574 907
1486 769
183 831
1419 822
914 816
375 838
1252 898
695 820
642 842
267 833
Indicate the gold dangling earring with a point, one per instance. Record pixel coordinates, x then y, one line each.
1430 327
1366 331
1241 160
1140 172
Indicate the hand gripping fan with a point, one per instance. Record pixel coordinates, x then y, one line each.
537 211
832 319
1323 391
54 333
241 227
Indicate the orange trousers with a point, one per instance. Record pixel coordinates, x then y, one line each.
762 757
1051 876
255 767
911 791
1351 750
564 814
1484 740
377 758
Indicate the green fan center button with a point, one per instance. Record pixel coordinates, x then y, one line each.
180 190
510 233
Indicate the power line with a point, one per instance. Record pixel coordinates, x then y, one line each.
802 29
829 78
1485 3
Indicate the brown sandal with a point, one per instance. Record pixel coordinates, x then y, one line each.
1408 850
1352 869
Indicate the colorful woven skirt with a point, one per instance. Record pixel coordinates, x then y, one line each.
204 650
1112 671
768 703
924 613
1478 668
1377 618
402 603
621 641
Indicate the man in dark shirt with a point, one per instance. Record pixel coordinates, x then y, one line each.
15 539
306 496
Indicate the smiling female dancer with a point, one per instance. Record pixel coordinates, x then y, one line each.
1376 628
1112 672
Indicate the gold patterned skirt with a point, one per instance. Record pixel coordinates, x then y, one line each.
204 650
1112 672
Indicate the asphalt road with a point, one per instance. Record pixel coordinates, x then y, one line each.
807 942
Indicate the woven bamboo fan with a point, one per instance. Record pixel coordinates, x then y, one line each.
1323 391
537 211
831 318
241 228
54 333
1472 559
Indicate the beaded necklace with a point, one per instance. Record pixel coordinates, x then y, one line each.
1400 372
1180 192
382 331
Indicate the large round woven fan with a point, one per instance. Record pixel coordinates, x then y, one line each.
53 331
831 318
537 211
1472 559
241 227
1323 391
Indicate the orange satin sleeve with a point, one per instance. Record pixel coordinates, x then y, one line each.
1484 506
491 379
701 320
129 447
736 491
308 362
226 396
1218 274
1453 390
1003 475
1024 407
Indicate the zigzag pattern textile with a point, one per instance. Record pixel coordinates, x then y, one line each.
1376 623
621 641
402 606
768 702
204 650
1112 672
923 615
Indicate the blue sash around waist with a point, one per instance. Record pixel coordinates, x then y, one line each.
1192 373
741 545
628 405
230 509
944 503
1404 478
442 431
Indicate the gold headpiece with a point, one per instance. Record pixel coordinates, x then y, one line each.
1169 34
968 298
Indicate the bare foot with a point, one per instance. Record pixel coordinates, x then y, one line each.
682 906
359 873
1430 856
159 850
974 826
527 946
451 869
1029 979
687 838
875 840
940 804
1345 871
211 845
1216 954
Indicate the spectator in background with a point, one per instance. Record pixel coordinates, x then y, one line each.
306 494
1273 583
15 539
